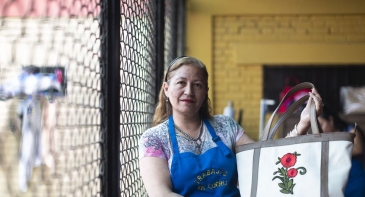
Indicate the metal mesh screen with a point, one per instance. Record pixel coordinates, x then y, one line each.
50 34
68 41
137 87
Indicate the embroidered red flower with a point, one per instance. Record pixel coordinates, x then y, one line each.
292 172
287 173
288 160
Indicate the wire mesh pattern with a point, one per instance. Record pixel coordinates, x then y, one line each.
70 35
51 33
137 99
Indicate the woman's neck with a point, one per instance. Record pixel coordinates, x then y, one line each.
189 124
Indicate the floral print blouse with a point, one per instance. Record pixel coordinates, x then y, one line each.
155 142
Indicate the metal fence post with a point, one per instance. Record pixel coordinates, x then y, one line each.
110 67
160 45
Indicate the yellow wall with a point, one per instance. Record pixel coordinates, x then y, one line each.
234 38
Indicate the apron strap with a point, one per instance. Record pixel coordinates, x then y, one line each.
217 139
175 147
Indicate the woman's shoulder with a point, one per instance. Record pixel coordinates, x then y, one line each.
156 135
221 119
227 128
154 142
220 122
157 130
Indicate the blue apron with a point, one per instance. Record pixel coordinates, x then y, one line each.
213 173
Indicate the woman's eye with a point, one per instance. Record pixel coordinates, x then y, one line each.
181 82
198 85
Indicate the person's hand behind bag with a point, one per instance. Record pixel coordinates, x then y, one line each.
304 122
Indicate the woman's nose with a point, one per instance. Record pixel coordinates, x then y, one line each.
189 90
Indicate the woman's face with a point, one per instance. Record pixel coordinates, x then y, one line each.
186 89
327 125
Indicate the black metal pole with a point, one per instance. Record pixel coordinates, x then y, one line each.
175 26
112 100
181 27
160 44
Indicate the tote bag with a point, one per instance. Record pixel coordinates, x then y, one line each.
316 164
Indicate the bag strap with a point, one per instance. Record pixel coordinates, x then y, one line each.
289 111
316 129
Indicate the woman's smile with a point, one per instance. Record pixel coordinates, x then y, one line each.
186 89
187 100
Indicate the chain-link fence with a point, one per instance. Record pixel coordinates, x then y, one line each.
78 86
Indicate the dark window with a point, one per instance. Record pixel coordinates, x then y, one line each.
327 79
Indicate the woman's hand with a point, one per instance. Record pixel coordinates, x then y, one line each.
304 122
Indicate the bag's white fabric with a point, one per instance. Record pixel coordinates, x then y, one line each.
308 184
315 165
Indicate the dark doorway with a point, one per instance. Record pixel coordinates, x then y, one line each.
327 78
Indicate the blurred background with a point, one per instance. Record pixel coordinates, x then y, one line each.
76 75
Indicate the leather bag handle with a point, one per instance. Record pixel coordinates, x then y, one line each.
288 112
316 128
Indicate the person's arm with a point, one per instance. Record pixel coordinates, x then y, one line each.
244 139
156 177
358 142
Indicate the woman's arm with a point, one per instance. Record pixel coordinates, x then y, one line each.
244 139
156 177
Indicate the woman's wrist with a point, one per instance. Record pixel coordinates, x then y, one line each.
293 132
302 127
299 129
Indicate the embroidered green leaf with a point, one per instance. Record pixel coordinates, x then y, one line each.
278 177
282 171
284 191
291 188
282 185
278 161
296 154
290 183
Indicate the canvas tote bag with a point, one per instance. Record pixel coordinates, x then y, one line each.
312 165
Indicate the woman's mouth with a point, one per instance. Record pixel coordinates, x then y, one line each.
187 101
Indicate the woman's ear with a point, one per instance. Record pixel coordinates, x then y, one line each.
165 88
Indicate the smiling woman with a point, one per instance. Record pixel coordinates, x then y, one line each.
164 110
186 91
188 151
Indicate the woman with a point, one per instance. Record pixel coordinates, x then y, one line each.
189 152
331 122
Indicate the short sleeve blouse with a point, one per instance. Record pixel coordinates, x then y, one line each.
155 142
